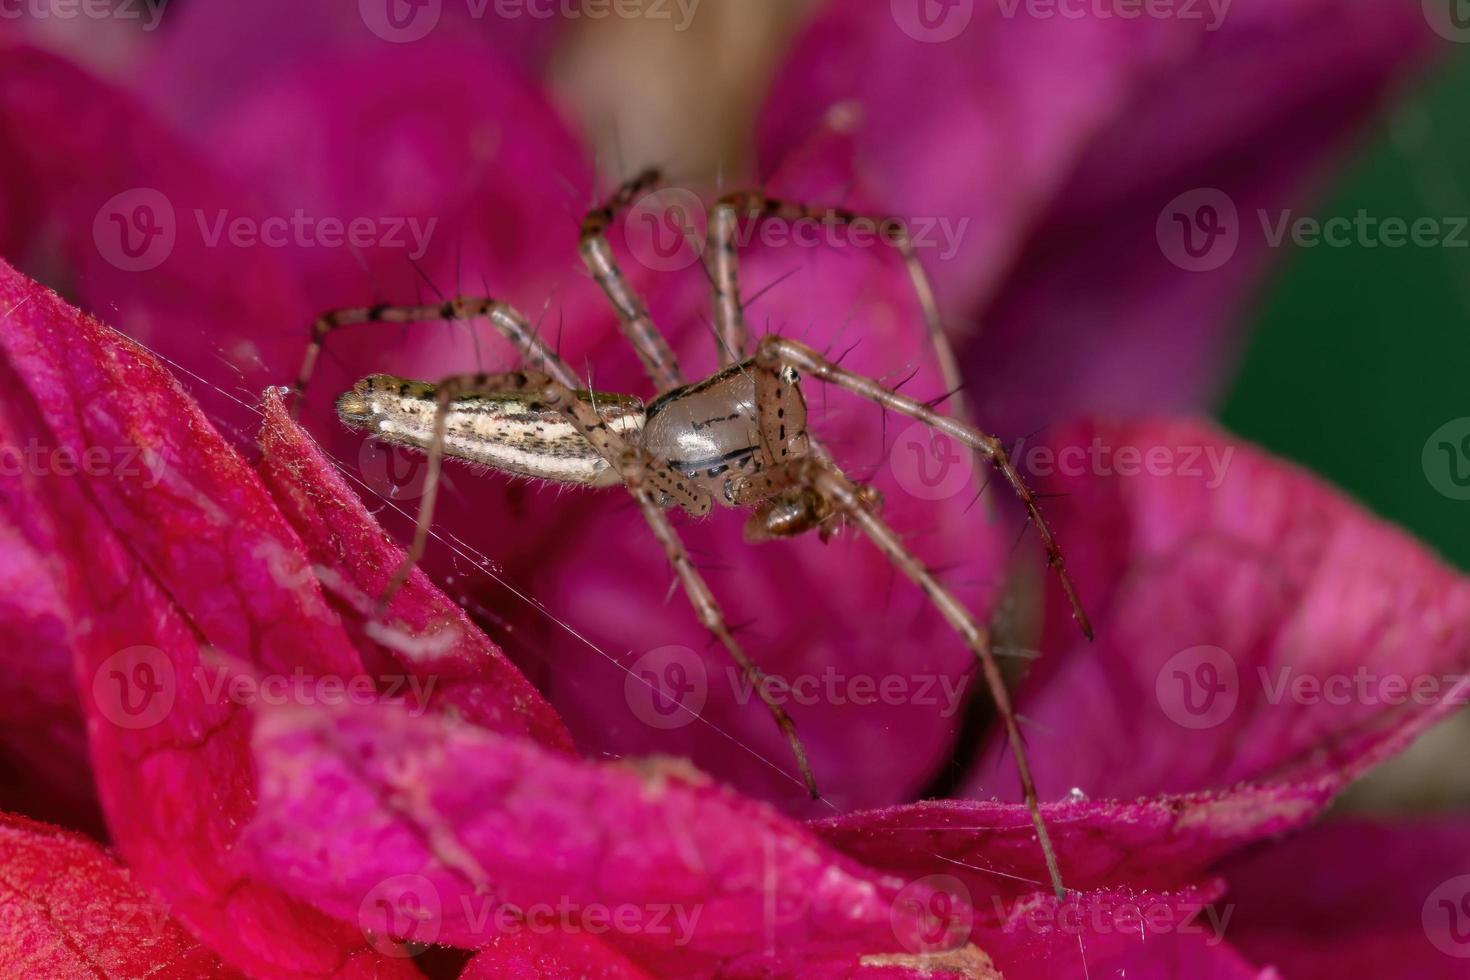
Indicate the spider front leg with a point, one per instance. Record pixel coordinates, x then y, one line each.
511 324
776 353
652 486
633 316
752 206
828 490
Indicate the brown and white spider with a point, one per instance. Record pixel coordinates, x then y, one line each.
737 438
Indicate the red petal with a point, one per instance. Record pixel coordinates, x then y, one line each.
439 820
68 910
167 551
553 955
1253 624
429 638
1157 844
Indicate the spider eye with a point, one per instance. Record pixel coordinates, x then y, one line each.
789 375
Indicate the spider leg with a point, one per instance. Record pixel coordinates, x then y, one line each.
503 317
653 350
775 352
725 273
650 484
828 481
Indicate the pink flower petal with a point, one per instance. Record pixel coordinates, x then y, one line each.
212 54
1358 899
1053 177
427 637
456 826
170 557
1253 624
555 955
112 209
67 909
1159 844
44 771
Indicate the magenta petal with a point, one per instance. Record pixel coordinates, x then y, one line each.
1054 179
67 909
170 558
1156 844
1358 899
211 53
129 198
364 809
429 637
44 771
1252 623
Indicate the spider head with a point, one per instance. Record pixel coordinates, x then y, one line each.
800 509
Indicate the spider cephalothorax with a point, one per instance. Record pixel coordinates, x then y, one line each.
738 438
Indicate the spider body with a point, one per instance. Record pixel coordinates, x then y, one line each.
709 432
737 438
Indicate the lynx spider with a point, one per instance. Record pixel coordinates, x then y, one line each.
737 438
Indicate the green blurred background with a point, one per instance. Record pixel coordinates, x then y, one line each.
1358 355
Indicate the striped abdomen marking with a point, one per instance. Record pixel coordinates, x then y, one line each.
499 430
